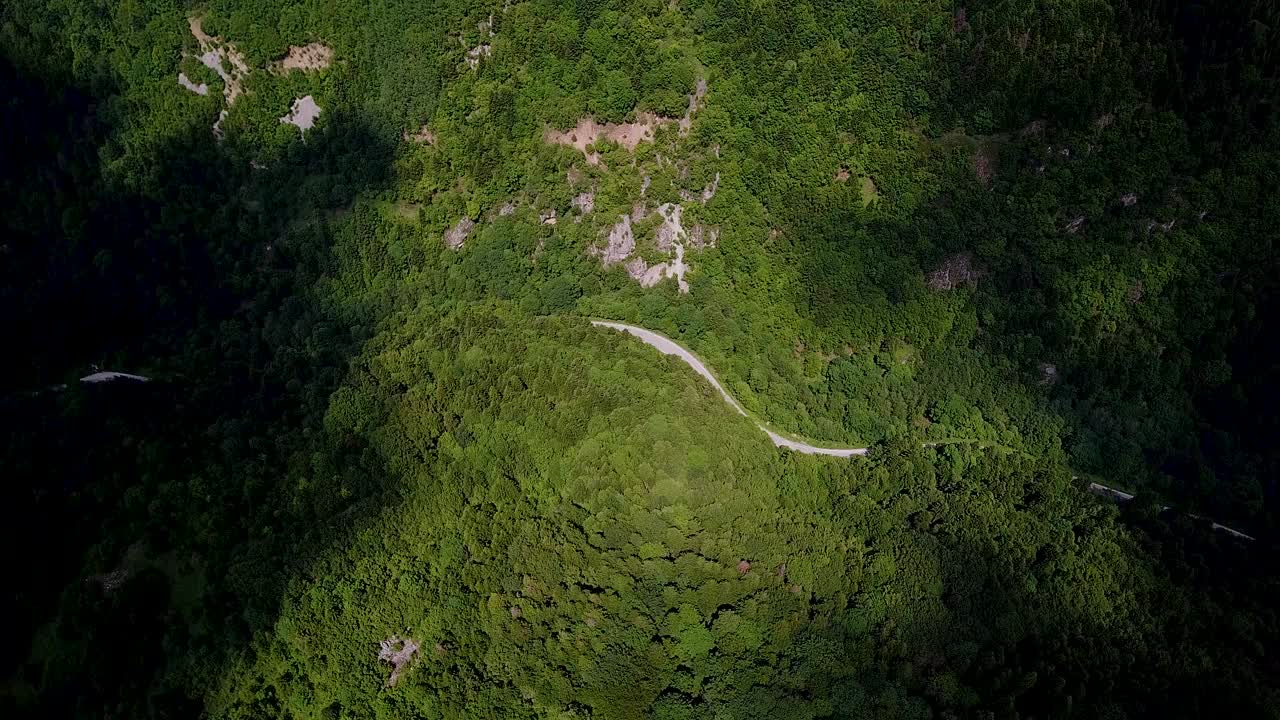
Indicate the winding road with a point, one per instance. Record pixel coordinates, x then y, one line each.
667 346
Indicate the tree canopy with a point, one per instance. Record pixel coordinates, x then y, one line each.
384 466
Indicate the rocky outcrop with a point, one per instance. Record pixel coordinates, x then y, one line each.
455 238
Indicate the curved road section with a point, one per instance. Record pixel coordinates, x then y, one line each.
667 346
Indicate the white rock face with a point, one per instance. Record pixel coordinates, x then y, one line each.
213 52
650 276
475 53
710 191
622 241
670 237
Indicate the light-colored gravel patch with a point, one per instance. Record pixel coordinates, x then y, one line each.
399 653
184 81
223 58
303 114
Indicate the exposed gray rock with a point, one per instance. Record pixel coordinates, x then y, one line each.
955 271
458 235
622 241
399 653
184 81
703 236
671 230
475 53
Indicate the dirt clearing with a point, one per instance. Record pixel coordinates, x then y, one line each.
588 132
424 135
315 56
628 135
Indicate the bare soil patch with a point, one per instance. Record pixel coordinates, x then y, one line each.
628 135
423 135
588 132
313 56
984 164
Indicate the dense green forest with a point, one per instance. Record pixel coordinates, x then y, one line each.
384 466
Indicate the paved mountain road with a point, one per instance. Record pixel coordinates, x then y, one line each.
667 346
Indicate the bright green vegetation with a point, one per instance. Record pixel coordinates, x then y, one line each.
1038 234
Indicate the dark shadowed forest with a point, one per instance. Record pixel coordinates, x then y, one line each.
382 465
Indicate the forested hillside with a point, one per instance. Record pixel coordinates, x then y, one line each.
384 466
